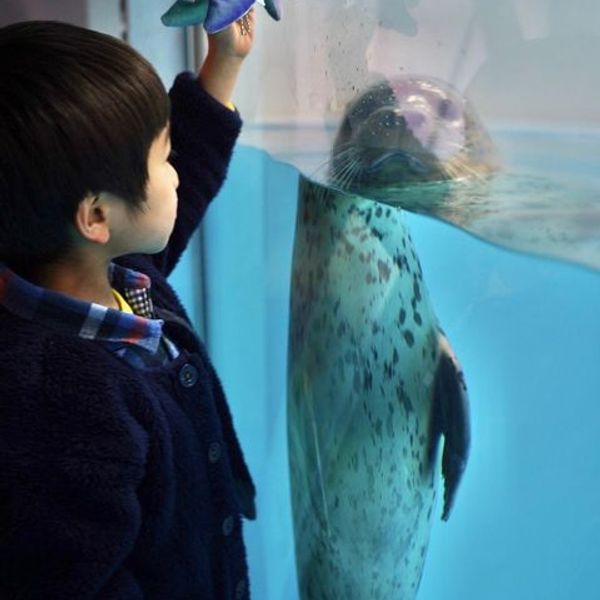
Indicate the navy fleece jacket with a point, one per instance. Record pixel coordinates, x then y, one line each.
117 483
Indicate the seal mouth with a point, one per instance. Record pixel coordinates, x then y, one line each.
373 168
399 158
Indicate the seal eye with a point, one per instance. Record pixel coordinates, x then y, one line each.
446 109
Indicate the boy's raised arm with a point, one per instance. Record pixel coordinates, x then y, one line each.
204 128
226 53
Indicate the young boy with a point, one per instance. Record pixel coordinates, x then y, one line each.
121 476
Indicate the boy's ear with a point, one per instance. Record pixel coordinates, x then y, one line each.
91 219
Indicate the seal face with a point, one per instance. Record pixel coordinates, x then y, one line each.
373 385
409 130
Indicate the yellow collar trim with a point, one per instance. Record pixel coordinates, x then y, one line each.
123 306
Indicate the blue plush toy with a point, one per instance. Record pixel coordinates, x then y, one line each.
215 15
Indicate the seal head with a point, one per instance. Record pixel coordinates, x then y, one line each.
409 130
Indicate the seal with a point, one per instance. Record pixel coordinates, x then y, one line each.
373 384
409 130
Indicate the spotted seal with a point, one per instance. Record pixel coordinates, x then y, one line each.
373 384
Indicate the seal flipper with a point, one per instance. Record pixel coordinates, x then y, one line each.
450 419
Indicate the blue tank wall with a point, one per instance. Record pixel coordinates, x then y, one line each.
526 520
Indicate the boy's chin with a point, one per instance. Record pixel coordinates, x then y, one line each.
156 248
147 248
157 244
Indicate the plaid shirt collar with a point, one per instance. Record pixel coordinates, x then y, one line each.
88 320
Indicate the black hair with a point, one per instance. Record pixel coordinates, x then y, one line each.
79 111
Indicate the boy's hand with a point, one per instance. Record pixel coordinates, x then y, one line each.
236 41
226 51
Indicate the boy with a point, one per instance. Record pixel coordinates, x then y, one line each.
121 476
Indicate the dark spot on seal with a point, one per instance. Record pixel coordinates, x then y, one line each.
404 400
402 316
368 380
384 271
388 370
417 318
376 233
398 260
409 337
417 290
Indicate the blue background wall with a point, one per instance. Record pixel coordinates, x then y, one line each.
526 522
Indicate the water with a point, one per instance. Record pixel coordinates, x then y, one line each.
544 200
526 523
526 331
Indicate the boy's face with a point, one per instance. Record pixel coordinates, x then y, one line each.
147 231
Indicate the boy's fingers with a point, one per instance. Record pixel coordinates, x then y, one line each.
246 22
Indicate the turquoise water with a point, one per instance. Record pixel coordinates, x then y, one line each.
526 524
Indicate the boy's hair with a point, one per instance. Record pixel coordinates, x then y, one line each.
79 111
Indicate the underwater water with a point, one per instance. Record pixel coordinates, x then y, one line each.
526 522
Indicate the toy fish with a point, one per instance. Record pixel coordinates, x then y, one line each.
215 15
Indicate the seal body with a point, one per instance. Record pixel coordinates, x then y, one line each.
372 387
373 384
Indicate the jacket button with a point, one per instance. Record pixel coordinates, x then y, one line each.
188 376
228 525
240 589
214 452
